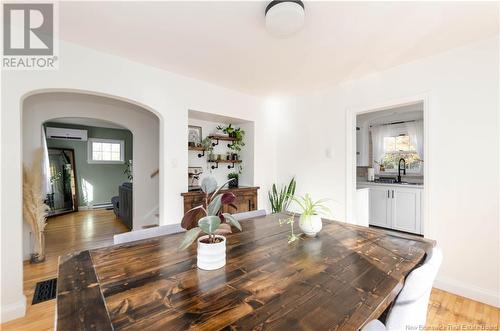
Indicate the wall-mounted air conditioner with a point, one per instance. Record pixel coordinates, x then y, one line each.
66 134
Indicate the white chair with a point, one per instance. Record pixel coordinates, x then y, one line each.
409 311
249 214
147 233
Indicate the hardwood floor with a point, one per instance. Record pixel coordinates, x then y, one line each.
92 229
64 234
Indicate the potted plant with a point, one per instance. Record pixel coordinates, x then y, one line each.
212 246
280 200
233 176
206 143
311 211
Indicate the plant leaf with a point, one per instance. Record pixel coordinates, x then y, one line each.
214 205
224 229
188 220
208 184
232 220
189 237
209 224
228 198
221 187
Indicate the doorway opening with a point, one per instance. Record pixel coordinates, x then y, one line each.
388 166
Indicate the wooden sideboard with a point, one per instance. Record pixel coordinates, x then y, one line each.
246 199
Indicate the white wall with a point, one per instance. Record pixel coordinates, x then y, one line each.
220 174
169 95
143 124
462 85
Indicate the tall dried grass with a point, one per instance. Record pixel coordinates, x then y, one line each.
34 208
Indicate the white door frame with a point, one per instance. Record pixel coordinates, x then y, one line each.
351 113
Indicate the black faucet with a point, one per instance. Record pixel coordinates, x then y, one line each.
399 169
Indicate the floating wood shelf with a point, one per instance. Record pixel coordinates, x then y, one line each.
232 162
201 149
221 138
226 138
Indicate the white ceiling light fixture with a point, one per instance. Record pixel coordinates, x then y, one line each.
284 17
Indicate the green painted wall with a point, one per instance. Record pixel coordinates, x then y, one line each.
105 178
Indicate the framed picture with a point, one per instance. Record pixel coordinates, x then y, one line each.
194 135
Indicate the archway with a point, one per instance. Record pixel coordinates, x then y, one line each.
77 109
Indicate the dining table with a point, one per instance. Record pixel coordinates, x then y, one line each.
341 279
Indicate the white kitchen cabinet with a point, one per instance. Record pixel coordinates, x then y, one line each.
406 211
395 207
379 207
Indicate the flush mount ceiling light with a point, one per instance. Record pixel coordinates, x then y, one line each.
284 17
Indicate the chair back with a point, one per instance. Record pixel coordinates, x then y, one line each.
147 233
409 311
249 214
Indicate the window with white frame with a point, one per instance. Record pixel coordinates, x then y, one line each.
400 147
106 151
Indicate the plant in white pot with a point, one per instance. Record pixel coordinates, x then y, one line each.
211 246
311 212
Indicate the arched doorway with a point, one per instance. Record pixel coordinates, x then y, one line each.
96 183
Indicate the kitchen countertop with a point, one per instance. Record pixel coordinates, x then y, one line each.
365 182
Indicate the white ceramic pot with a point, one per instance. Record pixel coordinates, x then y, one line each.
211 256
310 224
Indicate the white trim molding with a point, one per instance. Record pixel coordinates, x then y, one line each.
469 291
13 310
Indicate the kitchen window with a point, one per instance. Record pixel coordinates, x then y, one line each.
397 147
105 151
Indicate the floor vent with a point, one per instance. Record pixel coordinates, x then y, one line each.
45 291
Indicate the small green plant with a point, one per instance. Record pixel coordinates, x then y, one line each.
309 207
233 176
207 145
128 170
237 133
290 220
280 200
214 222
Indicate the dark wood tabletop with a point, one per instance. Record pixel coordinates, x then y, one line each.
343 278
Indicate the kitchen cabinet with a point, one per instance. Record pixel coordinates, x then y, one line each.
379 207
406 205
396 207
362 145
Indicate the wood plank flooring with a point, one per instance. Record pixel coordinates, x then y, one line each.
92 229
64 234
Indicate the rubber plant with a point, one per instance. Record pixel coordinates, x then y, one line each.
214 222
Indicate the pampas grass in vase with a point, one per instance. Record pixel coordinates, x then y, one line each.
34 208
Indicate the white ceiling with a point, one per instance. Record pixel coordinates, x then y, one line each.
225 43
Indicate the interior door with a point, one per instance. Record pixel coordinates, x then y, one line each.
406 210
379 214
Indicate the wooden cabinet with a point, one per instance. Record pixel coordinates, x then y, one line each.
246 200
396 207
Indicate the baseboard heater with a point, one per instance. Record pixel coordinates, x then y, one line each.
97 206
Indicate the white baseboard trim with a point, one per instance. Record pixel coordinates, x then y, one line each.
97 206
469 291
13 310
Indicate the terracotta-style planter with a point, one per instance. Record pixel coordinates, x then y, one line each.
211 256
